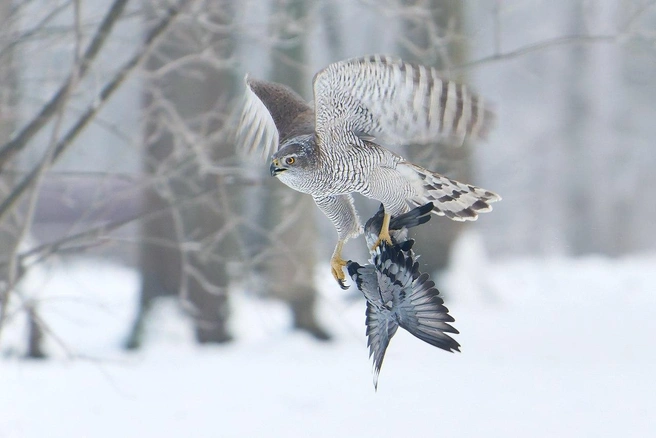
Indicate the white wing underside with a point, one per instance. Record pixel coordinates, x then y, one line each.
256 129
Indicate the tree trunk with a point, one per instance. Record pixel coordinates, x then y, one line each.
289 216
182 251
8 225
11 223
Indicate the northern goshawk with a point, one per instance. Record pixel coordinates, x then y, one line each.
337 146
397 294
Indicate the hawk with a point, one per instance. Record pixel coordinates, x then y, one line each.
338 145
397 294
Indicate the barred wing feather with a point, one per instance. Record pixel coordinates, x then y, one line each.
396 102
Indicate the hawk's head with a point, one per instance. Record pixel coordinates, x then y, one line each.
296 160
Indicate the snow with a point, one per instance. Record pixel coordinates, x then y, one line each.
551 347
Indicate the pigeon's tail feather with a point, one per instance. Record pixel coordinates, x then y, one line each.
380 329
398 225
412 218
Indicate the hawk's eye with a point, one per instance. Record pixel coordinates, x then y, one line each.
290 160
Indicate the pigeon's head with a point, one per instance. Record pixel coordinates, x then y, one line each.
296 161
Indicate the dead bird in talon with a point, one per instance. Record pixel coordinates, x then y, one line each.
397 294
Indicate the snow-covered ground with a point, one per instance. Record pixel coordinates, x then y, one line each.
550 347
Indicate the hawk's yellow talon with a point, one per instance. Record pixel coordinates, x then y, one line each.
337 264
384 234
336 267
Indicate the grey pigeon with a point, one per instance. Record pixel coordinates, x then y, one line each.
397 293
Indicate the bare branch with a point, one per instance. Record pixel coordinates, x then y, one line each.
40 120
106 92
14 266
622 32
538 47
84 239
29 33
58 147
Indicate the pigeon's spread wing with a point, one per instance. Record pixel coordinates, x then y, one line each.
396 102
271 113
422 313
417 306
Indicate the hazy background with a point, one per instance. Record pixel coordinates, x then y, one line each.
172 287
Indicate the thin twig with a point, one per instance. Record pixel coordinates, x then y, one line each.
106 92
537 47
43 251
559 41
20 140
58 148
34 30
46 162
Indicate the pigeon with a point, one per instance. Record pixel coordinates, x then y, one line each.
397 293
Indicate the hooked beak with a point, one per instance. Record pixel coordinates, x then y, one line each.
275 169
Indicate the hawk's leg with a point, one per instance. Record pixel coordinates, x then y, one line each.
384 234
337 264
341 212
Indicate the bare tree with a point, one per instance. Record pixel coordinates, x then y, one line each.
10 222
288 216
189 98
20 194
186 107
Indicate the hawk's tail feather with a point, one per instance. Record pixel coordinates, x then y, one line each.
450 198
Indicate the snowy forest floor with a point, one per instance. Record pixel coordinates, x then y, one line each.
550 347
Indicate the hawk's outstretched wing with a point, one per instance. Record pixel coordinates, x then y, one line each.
272 112
396 102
